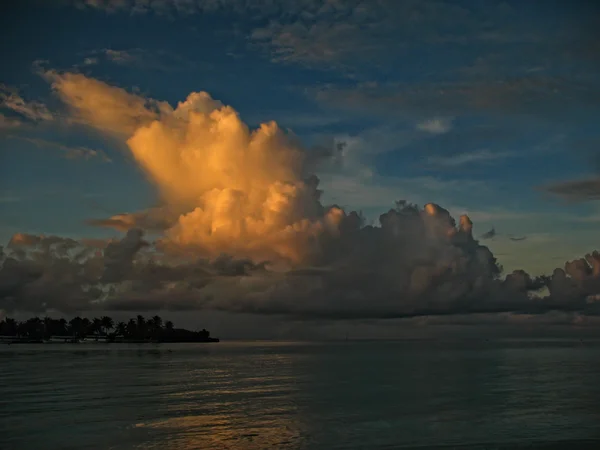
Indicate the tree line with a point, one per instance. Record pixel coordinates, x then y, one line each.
78 327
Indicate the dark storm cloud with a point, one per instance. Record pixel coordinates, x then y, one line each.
417 263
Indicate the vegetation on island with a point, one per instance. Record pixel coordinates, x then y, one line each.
138 329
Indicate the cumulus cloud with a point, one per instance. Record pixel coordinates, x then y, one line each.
243 229
108 108
236 190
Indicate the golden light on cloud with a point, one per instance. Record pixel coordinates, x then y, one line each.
235 190
106 107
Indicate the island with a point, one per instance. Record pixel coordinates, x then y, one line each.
98 330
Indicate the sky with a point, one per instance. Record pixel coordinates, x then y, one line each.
143 142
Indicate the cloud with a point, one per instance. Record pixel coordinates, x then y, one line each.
488 234
155 219
120 56
242 229
7 123
435 126
90 61
517 239
106 107
246 191
143 59
30 110
68 151
587 189
461 159
491 234
579 190
526 95
361 279
355 35
342 34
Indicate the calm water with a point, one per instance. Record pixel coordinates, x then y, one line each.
347 395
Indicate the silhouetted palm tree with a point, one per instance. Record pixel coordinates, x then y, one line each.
141 326
158 322
107 323
62 326
48 326
121 329
8 327
21 329
85 326
36 328
131 328
76 326
96 327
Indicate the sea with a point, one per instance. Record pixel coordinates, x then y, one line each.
405 394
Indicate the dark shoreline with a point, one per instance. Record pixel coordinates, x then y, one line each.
103 342
99 330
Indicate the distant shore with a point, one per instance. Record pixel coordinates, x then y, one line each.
60 340
98 331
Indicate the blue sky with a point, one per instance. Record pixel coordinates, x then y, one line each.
476 106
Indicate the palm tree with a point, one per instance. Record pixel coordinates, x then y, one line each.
141 326
121 329
169 325
48 326
9 327
96 327
62 324
34 327
131 328
21 329
85 326
76 326
107 323
158 322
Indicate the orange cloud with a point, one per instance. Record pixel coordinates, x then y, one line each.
108 108
236 190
